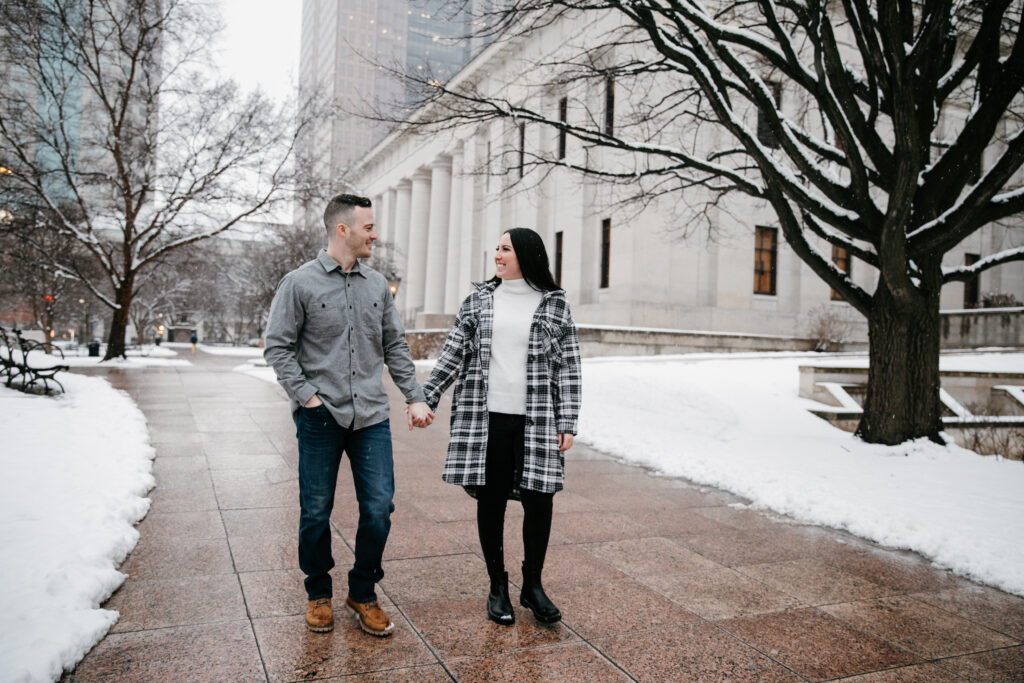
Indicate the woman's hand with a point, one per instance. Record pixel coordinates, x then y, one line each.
419 415
564 442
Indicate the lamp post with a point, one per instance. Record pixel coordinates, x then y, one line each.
393 284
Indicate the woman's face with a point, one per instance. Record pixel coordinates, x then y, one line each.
505 261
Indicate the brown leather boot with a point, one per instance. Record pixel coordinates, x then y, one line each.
320 616
371 617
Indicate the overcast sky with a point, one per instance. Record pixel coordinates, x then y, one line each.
260 44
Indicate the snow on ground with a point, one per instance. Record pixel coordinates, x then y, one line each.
247 351
950 362
142 357
736 422
74 471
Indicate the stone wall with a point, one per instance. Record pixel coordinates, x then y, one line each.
597 340
981 327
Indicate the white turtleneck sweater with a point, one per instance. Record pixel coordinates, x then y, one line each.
514 305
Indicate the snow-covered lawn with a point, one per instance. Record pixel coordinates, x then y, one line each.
245 351
74 471
737 423
143 357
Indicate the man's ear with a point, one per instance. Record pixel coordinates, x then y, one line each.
340 230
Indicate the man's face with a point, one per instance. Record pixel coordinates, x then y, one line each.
361 235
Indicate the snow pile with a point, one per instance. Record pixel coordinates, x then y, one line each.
146 357
244 351
74 471
738 424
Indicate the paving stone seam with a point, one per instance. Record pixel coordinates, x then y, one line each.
922 656
914 595
419 634
768 655
397 608
231 554
853 627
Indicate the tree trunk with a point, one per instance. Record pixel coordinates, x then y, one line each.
119 323
903 379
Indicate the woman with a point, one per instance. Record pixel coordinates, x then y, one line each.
514 356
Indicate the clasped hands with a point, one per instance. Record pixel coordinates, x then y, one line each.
419 415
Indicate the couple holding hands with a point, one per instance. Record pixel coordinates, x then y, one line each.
513 356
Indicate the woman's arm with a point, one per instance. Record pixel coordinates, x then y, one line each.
450 361
569 380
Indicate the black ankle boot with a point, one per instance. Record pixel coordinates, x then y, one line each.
533 597
499 606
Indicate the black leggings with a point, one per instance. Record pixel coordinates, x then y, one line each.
504 462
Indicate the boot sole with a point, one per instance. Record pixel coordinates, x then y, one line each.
320 629
538 616
497 619
366 629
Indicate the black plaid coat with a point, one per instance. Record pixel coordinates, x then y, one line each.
553 390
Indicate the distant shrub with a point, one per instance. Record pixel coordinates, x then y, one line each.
425 344
827 327
999 300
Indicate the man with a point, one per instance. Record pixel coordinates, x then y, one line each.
333 326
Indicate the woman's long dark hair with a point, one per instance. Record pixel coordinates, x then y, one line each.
533 259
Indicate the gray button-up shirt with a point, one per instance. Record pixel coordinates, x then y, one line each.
331 333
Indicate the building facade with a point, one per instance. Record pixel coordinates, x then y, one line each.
445 198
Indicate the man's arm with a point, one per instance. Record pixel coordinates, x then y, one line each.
397 356
284 325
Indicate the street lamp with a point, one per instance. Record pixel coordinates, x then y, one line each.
393 285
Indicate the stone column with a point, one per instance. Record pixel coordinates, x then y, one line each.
437 240
416 254
400 228
470 230
453 287
386 229
380 212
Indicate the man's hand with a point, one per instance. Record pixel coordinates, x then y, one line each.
314 401
564 442
419 414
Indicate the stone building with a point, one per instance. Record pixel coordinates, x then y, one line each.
443 199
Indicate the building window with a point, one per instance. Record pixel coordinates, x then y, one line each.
609 105
765 254
841 257
971 298
606 250
558 257
765 132
563 116
522 148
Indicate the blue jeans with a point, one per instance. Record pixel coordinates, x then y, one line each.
321 443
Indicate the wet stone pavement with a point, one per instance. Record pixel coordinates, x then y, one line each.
658 579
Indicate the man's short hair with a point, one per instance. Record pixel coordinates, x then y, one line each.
339 209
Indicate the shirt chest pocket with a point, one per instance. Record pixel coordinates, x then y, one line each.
324 319
371 314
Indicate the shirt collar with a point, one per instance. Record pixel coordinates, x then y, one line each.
330 264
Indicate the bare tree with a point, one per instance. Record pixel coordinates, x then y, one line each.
162 291
111 123
888 129
27 242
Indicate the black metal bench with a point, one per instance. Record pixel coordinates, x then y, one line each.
15 370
